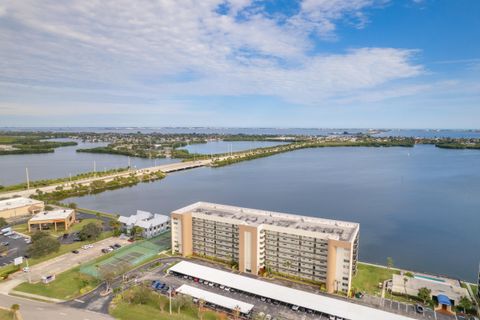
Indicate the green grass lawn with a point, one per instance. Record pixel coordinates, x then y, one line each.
67 285
150 310
5 315
475 290
368 277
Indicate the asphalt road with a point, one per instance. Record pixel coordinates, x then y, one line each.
34 310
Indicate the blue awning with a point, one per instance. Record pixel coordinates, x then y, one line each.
443 299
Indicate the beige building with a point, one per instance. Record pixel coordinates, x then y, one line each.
11 209
58 217
314 249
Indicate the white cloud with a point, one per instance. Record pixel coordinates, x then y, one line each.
156 50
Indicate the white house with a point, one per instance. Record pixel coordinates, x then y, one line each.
151 223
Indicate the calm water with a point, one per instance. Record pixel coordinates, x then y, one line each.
252 131
213 147
62 162
418 205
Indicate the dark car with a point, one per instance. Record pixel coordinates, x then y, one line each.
75 251
419 308
116 245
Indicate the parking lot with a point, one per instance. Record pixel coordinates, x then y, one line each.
16 246
281 311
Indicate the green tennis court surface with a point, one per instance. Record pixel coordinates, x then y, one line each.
130 256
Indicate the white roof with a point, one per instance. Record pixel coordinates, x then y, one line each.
284 294
144 219
17 203
216 299
52 215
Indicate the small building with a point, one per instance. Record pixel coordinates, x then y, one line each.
11 209
447 292
152 223
44 219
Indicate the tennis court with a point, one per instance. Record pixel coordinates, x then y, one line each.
129 256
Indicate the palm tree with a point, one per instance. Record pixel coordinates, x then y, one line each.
14 309
201 302
405 280
236 312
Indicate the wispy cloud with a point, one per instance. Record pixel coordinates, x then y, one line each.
145 51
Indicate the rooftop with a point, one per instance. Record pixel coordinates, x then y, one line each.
216 299
319 303
17 203
59 214
144 219
335 229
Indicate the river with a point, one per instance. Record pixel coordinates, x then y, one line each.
418 205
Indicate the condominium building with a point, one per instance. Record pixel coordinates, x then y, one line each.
315 249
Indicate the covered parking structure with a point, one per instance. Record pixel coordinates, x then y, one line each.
319 304
226 303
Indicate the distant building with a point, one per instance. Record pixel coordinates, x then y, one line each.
152 224
45 219
315 249
11 209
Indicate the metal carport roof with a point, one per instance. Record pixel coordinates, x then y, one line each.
319 303
216 299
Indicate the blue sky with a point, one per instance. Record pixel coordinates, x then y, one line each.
243 63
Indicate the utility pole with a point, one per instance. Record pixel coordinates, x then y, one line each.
170 299
28 179
28 272
70 175
94 168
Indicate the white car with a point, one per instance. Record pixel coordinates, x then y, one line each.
295 308
26 269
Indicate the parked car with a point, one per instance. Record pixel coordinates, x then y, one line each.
117 246
75 251
419 308
26 269
295 308
5 243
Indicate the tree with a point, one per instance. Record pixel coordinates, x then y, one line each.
201 302
162 302
48 208
107 274
424 294
236 312
42 244
465 304
72 205
3 222
405 280
389 262
14 309
116 226
136 232
90 231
